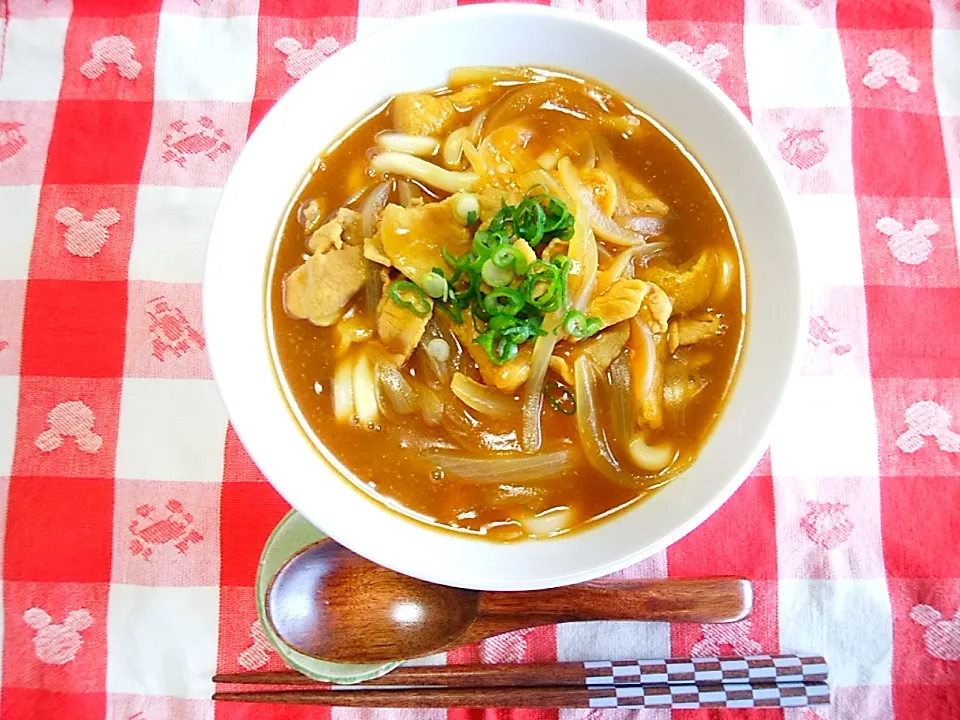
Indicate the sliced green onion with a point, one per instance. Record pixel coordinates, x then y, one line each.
503 301
529 220
560 397
495 276
509 256
501 350
409 295
434 285
579 325
464 205
464 283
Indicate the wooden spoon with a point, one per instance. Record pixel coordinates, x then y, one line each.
331 604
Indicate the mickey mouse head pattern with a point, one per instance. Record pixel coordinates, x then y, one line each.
928 419
57 644
85 238
913 246
942 637
69 419
117 50
301 60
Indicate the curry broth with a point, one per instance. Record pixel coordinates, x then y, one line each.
401 475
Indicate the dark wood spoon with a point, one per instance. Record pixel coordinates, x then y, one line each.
331 604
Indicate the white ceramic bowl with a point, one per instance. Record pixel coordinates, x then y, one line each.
417 54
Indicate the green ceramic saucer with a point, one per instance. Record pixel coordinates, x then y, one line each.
289 537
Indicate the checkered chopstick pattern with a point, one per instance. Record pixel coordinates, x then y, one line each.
131 519
680 671
725 695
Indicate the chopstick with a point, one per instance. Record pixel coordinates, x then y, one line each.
719 682
673 671
728 695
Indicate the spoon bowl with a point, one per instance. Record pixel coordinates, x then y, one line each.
329 603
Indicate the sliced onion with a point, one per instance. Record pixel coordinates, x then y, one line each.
648 225
482 398
476 126
726 272
395 387
607 163
533 389
647 373
592 439
371 208
474 158
461 76
422 145
343 405
408 191
426 172
506 469
413 440
584 261
372 287
602 225
453 146
442 368
548 159
652 458
621 403
365 392
431 406
542 177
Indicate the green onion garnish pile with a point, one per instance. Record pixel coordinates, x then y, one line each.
506 296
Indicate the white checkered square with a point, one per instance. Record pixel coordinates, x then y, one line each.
827 226
156 441
946 70
826 427
171 232
162 640
847 621
18 209
206 58
9 400
795 66
617 640
37 44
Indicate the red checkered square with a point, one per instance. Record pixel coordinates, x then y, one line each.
110 58
926 702
194 144
926 620
98 142
297 9
890 69
711 549
258 109
31 9
164 332
121 706
166 533
828 528
208 8
714 48
55 636
279 711
24 140
58 530
290 48
699 10
883 16
11 321
84 232
908 242
67 325
896 153
900 346
837 333
811 147
918 426
919 522
237 463
248 514
98 8
757 634
243 647
798 12
67 427
23 704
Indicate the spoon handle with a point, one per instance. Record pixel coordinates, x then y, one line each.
701 600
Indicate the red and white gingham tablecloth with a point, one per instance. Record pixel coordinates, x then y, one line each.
131 519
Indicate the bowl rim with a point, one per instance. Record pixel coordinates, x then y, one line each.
218 345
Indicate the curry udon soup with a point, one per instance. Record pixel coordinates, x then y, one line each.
510 306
